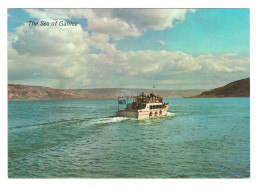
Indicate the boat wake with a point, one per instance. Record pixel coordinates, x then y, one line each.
107 120
90 121
171 114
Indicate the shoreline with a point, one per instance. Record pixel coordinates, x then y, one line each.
113 98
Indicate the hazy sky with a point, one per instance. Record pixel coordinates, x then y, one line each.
171 48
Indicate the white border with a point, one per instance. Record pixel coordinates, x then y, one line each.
255 93
130 4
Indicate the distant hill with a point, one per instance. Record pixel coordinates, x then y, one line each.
239 88
26 92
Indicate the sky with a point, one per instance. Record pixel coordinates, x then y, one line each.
129 48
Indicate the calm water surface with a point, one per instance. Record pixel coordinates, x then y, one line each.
200 138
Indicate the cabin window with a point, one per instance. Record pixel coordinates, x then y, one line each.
155 107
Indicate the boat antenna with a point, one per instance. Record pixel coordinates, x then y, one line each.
153 88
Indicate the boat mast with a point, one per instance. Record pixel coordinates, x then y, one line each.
118 104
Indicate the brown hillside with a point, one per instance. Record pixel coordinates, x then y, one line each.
239 88
26 92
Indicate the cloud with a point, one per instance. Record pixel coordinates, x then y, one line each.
72 57
49 13
161 42
36 13
80 68
118 23
157 19
114 27
151 63
51 40
223 63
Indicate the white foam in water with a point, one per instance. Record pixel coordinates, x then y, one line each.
109 120
171 114
118 119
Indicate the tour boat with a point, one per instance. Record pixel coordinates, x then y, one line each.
142 106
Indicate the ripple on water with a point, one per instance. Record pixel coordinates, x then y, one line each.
74 142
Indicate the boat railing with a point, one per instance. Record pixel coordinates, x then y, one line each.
143 98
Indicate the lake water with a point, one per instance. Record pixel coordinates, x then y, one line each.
200 138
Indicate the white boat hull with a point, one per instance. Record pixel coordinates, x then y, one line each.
144 113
